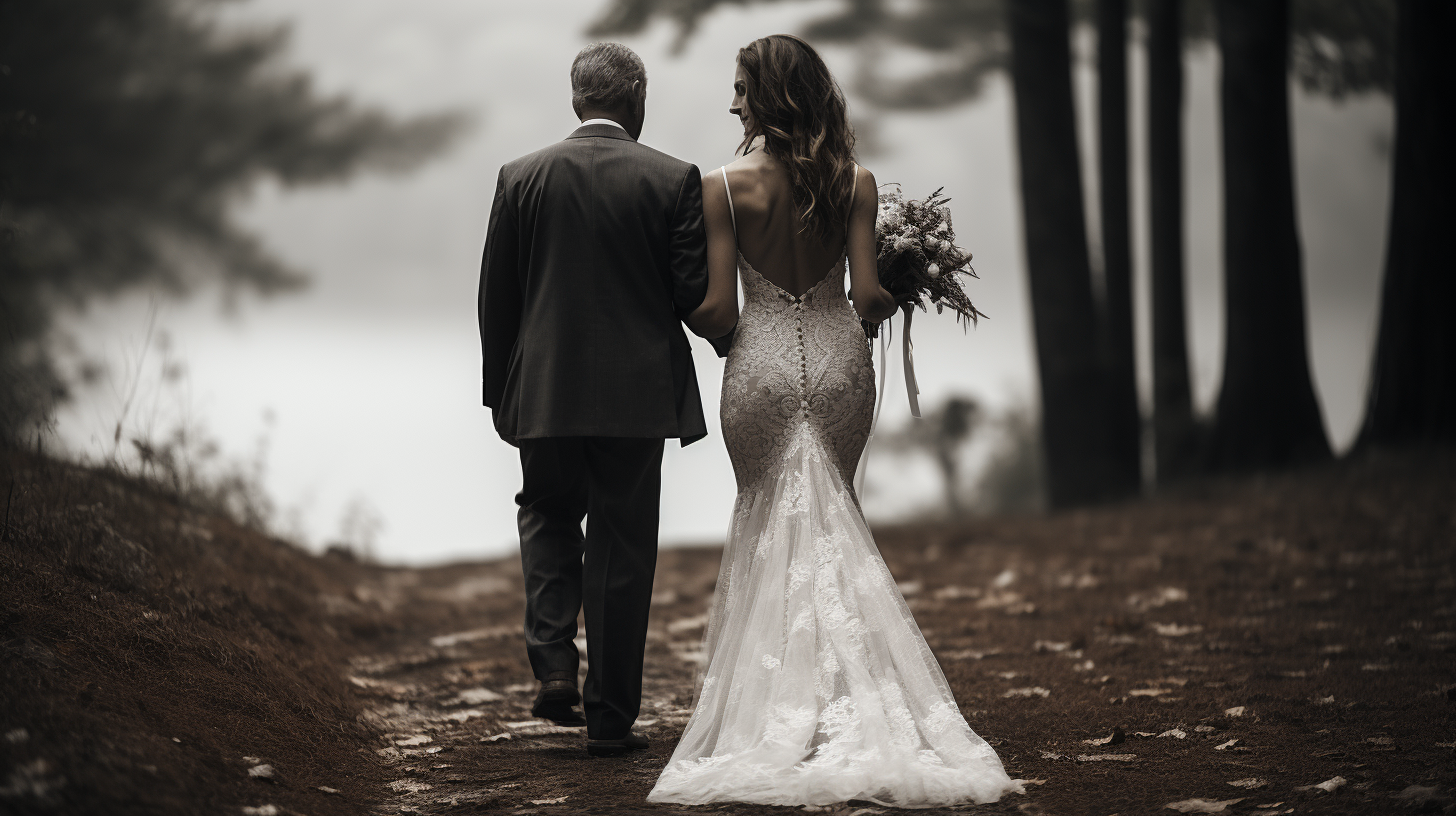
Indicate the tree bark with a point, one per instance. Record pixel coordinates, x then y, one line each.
1268 416
1063 310
1124 431
1174 431
1412 394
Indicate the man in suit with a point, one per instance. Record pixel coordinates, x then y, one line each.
594 253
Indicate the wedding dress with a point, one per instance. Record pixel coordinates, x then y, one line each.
818 687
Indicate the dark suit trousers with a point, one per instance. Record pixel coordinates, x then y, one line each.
616 484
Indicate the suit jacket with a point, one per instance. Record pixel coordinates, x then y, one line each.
594 253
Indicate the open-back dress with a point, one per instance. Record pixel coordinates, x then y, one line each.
818 686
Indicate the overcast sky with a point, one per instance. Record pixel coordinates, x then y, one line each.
371 377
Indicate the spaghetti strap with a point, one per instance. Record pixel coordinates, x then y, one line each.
731 214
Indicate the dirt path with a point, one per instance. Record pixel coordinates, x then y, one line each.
1248 642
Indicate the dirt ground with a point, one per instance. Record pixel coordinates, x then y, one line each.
1277 645
1245 641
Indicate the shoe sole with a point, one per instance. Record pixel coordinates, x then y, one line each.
610 749
556 707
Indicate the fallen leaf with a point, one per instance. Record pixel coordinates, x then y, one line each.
1227 745
967 654
1204 729
951 593
417 739
1175 733
1050 755
262 810
1174 630
687 624
467 714
496 737
476 696
1330 785
330 791
1050 646
1147 692
647 723
1330 700
1106 757
1030 691
1031 781
408 786
1143 601
558 800
1005 579
1236 711
1115 738
261 771
1249 783
1272 805
1202 805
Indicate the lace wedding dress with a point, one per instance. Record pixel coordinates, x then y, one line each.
818 686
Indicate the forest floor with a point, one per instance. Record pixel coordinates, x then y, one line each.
1274 645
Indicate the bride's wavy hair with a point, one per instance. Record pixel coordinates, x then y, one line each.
794 103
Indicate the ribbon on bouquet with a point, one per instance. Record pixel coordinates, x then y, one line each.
907 350
912 387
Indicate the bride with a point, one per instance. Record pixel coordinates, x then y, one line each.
818 686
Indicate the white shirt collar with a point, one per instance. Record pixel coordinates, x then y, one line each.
603 122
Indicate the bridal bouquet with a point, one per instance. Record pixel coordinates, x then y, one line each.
918 261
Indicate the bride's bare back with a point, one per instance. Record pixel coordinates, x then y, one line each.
771 234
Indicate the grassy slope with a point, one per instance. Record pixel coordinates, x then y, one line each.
149 649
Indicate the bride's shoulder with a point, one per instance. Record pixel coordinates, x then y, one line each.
863 177
866 189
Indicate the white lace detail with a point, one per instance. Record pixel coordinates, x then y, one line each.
817 686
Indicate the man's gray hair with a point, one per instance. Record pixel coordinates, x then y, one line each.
602 76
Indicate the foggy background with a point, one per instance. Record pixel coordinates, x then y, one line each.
359 397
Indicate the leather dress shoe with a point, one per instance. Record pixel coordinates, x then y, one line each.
557 702
616 747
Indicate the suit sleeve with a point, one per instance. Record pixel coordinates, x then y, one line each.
688 247
500 295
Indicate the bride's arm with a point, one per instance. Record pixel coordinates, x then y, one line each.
871 300
718 313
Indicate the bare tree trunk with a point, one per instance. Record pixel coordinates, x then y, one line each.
1063 311
1124 431
1174 431
1268 416
1413 381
